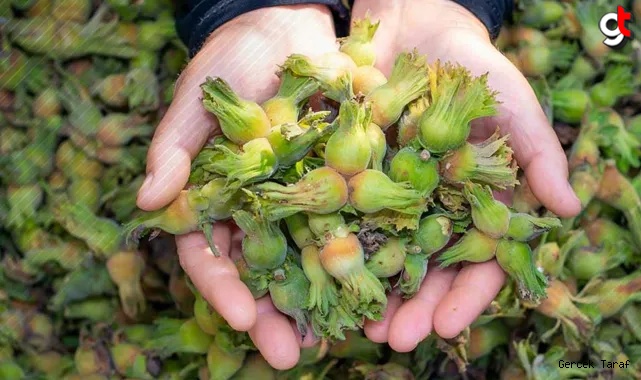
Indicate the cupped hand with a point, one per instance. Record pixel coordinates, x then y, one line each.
451 299
246 53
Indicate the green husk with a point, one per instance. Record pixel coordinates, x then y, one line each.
585 149
456 98
255 163
358 45
290 292
618 82
240 120
264 244
336 82
617 191
82 284
69 255
23 203
83 114
285 106
611 295
194 209
570 104
489 215
298 228
343 258
588 262
142 90
223 364
433 233
131 360
407 82
372 191
323 293
33 162
255 367
348 150
589 15
525 227
542 59
206 317
321 191
14 68
118 129
47 104
474 246
408 123
125 269
552 259
490 163
416 167
173 336
414 272
517 260
618 142
542 13
291 142
102 235
256 281
378 142
389 259
560 305
487 337
70 39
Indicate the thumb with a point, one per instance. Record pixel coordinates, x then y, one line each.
256 43
179 137
535 144
187 125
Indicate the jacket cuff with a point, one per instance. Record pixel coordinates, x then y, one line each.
207 15
491 13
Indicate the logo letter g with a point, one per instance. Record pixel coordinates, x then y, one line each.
615 37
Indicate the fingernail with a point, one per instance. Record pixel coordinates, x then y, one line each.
146 185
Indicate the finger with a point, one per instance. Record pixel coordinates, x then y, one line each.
413 320
274 337
243 52
217 277
377 331
309 340
472 291
536 146
504 196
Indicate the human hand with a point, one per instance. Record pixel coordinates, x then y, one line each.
451 299
244 52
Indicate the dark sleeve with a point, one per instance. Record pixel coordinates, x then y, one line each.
492 13
196 19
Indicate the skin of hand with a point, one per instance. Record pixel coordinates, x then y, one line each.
245 52
451 299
